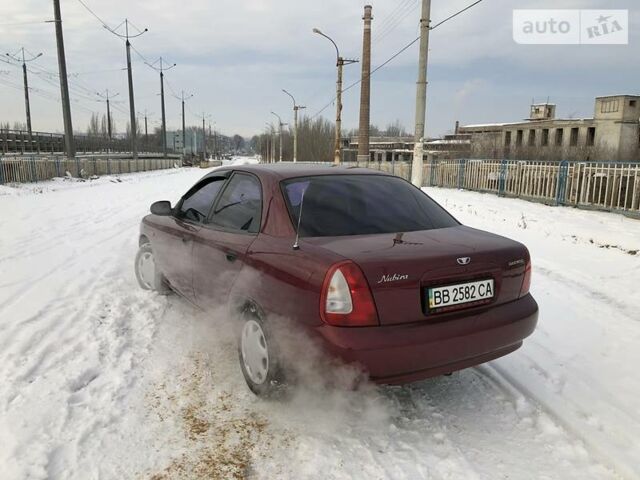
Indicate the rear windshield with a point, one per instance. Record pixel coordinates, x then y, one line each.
338 205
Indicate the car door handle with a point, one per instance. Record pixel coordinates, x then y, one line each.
187 238
231 257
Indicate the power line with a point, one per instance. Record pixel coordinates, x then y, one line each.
142 57
26 23
173 92
104 24
385 30
91 72
370 74
399 52
386 21
455 14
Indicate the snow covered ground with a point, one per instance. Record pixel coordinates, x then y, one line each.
101 380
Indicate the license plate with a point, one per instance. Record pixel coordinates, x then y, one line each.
460 294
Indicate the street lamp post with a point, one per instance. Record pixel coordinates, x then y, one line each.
162 69
340 62
280 124
296 107
26 89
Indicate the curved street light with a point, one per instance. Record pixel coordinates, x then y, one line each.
340 62
280 124
296 107
26 85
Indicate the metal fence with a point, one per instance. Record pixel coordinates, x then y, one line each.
598 185
36 168
20 142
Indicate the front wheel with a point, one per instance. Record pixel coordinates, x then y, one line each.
258 358
147 273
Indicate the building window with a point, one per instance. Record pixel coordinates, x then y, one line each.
545 137
574 136
507 139
632 103
519 138
609 106
591 136
559 136
532 138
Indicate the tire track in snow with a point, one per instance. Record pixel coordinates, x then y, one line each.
70 352
595 414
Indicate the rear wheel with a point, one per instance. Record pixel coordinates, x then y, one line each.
258 357
148 275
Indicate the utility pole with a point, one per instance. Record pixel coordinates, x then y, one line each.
107 98
215 142
26 88
280 124
340 63
296 107
64 86
184 135
365 89
421 95
132 107
146 132
271 143
162 69
204 140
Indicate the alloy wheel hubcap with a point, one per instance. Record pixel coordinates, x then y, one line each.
255 355
147 268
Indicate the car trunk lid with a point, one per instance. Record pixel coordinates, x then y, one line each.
400 268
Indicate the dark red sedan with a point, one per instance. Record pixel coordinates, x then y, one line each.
363 261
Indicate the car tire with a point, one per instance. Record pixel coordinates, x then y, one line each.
258 357
148 274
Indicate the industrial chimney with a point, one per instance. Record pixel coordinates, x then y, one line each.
365 88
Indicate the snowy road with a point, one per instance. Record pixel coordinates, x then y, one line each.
100 380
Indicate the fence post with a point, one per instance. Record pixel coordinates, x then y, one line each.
502 177
432 170
34 173
561 191
1 172
57 160
461 171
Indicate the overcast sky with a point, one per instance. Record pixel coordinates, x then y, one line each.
235 56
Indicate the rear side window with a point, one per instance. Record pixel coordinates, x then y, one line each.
339 205
240 205
197 203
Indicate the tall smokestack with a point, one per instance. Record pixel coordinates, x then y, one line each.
365 88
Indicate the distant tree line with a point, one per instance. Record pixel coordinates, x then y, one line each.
315 139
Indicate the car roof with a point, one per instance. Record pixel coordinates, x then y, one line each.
284 170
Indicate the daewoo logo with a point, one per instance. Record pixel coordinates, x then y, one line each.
464 260
392 278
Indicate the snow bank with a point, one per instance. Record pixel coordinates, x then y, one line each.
99 379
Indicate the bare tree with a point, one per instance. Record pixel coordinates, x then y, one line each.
396 129
93 129
238 142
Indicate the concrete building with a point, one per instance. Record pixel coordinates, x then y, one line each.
400 149
613 134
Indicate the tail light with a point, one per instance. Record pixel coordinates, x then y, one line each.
346 299
526 281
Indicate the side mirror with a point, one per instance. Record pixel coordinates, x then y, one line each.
162 208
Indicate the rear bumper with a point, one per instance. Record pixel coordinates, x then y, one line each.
397 354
